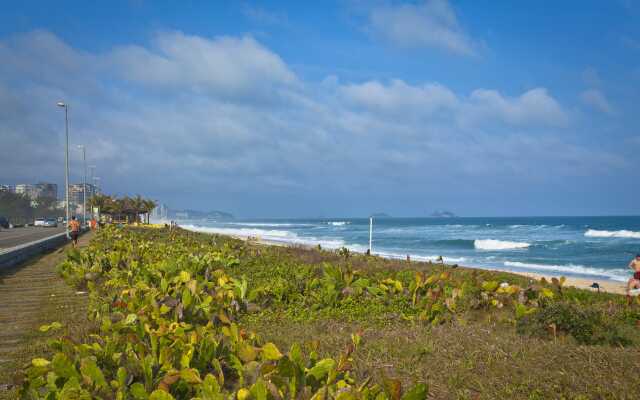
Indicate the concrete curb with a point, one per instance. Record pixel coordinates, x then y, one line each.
16 255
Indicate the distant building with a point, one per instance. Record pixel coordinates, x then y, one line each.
160 212
35 191
7 188
76 193
48 190
25 189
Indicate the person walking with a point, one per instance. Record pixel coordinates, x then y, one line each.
74 230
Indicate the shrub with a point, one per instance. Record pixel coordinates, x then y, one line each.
587 325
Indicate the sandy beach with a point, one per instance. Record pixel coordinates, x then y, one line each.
581 283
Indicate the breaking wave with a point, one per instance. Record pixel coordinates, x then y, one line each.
612 234
491 244
613 274
267 224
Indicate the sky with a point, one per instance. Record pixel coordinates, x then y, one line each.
332 108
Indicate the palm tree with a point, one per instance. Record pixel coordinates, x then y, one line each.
138 203
150 206
100 201
124 207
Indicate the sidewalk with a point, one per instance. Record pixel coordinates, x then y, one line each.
32 295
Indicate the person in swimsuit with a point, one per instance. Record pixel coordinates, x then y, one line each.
74 230
634 282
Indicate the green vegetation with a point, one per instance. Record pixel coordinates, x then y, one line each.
123 209
184 315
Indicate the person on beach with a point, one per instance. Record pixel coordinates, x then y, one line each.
74 230
634 282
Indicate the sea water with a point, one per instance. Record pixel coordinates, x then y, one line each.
587 247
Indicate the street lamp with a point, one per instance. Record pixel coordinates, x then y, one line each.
66 163
84 184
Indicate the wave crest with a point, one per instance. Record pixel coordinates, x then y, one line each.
338 223
491 244
613 274
612 234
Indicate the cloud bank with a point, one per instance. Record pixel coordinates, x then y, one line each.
223 122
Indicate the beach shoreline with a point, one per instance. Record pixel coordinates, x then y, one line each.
606 286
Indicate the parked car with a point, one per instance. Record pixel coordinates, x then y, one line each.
39 222
4 223
50 223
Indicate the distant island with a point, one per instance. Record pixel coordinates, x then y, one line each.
380 215
443 214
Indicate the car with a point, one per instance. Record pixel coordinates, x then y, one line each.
50 223
39 222
4 223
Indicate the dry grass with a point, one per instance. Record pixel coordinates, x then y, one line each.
488 361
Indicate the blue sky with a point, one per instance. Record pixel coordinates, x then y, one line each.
332 108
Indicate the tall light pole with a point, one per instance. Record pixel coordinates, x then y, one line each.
94 189
66 163
84 184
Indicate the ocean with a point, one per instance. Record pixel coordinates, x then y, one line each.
598 248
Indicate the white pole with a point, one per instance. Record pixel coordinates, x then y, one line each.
370 234
84 185
66 164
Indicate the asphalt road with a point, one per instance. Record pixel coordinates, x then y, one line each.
17 236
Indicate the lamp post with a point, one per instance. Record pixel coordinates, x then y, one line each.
84 184
66 163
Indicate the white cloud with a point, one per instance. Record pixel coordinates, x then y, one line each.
225 65
597 100
534 107
432 23
400 97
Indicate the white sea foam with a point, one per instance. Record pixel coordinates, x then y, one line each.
613 274
612 234
491 244
273 235
338 223
276 224
415 257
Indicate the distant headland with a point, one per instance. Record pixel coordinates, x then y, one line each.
442 214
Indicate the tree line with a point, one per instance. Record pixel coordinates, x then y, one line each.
19 208
124 208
